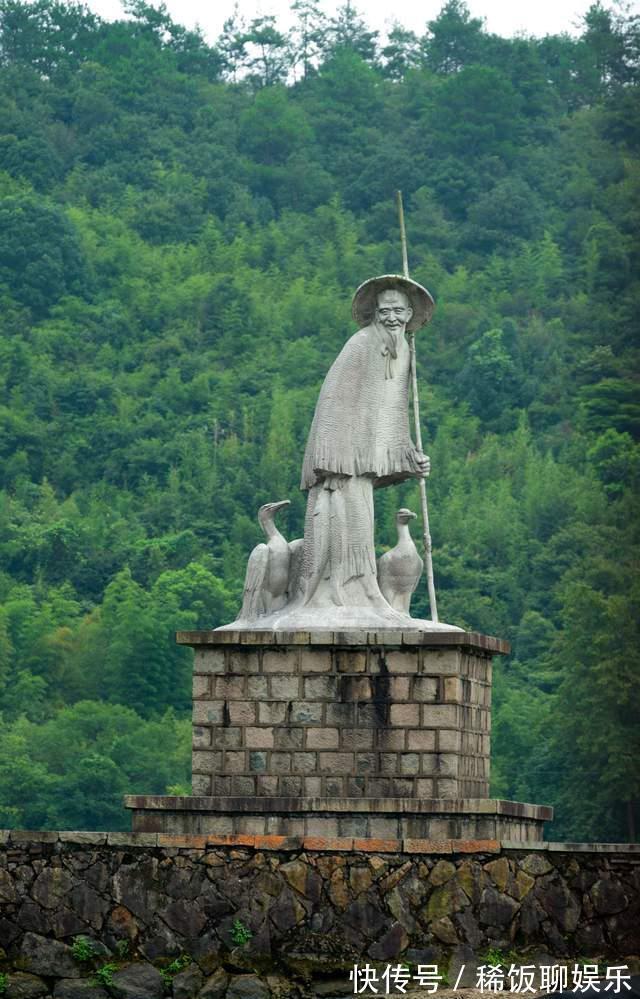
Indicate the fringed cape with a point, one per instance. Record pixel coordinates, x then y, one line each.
361 422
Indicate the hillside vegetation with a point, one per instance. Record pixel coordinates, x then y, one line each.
182 226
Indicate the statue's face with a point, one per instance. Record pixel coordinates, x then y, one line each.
393 311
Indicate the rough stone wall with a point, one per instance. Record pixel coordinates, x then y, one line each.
368 721
147 900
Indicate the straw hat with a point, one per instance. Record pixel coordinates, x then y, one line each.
364 301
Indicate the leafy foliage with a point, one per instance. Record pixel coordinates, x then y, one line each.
181 228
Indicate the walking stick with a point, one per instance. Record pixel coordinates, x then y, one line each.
428 561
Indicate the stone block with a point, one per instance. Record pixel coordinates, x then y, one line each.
267 786
278 662
291 787
356 739
312 661
234 762
201 686
280 763
446 787
312 786
399 688
272 712
348 661
440 715
258 738
251 825
244 662
220 825
320 688
407 715
355 787
390 739
402 787
448 764
381 827
429 763
366 763
79 836
440 662
208 712
388 763
241 712
452 689
449 740
226 737
353 825
285 688
208 661
336 763
306 713
409 763
201 784
257 688
425 688
372 715
229 687
201 737
378 787
206 763
356 688
288 738
221 785
341 714
322 738
424 788
243 785
257 761
402 662
422 738
320 825
304 763
334 787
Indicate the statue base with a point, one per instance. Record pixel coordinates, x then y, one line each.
362 818
370 734
373 617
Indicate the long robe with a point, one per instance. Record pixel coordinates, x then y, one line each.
359 439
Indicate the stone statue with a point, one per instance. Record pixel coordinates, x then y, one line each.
400 569
359 441
270 569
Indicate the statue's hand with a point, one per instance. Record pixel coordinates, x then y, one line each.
422 463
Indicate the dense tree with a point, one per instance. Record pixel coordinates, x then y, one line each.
181 227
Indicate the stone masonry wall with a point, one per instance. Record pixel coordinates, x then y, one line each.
370 720
249 917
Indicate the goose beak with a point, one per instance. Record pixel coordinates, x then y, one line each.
279 506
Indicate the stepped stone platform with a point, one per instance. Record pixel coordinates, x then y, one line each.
367 734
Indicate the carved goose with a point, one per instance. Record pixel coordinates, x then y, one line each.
399 570
267 579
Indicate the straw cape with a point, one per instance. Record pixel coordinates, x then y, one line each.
361 422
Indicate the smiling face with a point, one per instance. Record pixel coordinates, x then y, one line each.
393 311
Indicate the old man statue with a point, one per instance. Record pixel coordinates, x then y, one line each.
359 441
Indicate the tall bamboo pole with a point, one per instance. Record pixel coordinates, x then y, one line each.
428 561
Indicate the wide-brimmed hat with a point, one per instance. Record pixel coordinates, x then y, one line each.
363 306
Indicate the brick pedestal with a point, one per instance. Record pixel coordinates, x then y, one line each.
367 720
392 728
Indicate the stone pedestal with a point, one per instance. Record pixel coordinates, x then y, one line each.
383 735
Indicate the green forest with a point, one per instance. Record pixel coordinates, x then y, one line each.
182 226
